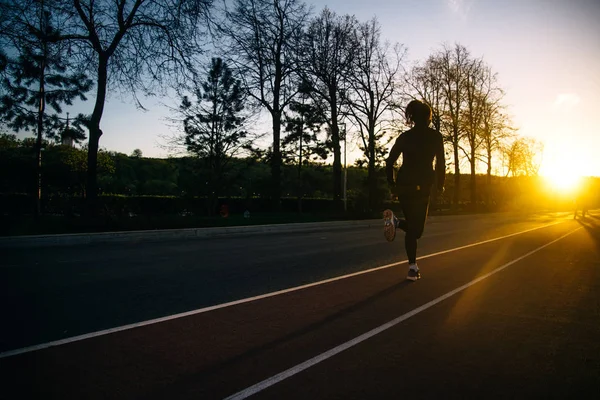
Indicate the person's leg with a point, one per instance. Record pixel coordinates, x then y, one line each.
415 211
391 222
421 211
401 224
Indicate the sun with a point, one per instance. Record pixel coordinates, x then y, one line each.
564 182
564 174
565 179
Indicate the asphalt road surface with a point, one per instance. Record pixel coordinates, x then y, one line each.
508 307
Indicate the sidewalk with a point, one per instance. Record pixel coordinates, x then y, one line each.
172 234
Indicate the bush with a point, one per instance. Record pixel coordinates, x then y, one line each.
121 206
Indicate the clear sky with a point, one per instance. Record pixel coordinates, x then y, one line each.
546 54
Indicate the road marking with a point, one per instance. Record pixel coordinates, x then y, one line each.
359 339
246 300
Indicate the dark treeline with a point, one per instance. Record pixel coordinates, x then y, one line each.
181 185
188 177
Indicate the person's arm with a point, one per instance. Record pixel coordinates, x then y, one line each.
440 163
391 160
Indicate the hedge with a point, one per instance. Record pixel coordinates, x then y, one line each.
119 205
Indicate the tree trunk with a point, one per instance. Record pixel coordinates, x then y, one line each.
456 195
488 195
337 154
276 162
95 133
299 187
38 143
40 120
337 167
473 182
436 122
213 196
38 180
372 177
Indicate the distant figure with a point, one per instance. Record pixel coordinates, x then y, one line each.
418 146
582 201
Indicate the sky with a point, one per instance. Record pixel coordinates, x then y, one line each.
546 54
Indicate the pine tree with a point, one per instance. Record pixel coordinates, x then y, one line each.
36 75
214 124
303 123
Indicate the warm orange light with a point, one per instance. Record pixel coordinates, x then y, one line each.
563 181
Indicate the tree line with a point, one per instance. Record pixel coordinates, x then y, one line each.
321 79
184 182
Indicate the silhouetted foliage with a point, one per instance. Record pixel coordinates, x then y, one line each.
523 156
214 125
39 74
373 98
326 65
442 81
136 153
304 125
480 87
131 45
465 98
262 40
304 140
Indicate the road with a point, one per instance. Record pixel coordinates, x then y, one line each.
509 306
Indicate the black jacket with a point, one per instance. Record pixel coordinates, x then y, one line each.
418 146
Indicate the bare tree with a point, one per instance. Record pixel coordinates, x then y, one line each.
262 39
524 156
452 64
495 131
424 83
480 86
372 97
466 106
326 63
132 45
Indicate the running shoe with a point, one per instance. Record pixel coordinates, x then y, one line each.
413 273
389 225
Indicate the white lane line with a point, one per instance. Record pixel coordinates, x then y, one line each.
353 342
242 301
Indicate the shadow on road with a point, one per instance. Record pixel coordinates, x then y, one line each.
591 224
257 351
325 321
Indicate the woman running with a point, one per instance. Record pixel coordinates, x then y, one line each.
416 176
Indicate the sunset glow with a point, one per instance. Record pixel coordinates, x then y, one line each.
564 175
564 182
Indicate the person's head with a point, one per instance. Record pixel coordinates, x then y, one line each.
418 113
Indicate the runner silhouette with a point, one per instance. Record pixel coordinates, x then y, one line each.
582 199
416 176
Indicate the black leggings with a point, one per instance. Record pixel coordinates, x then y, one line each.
414 208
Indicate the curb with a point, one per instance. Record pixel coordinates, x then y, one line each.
73 239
